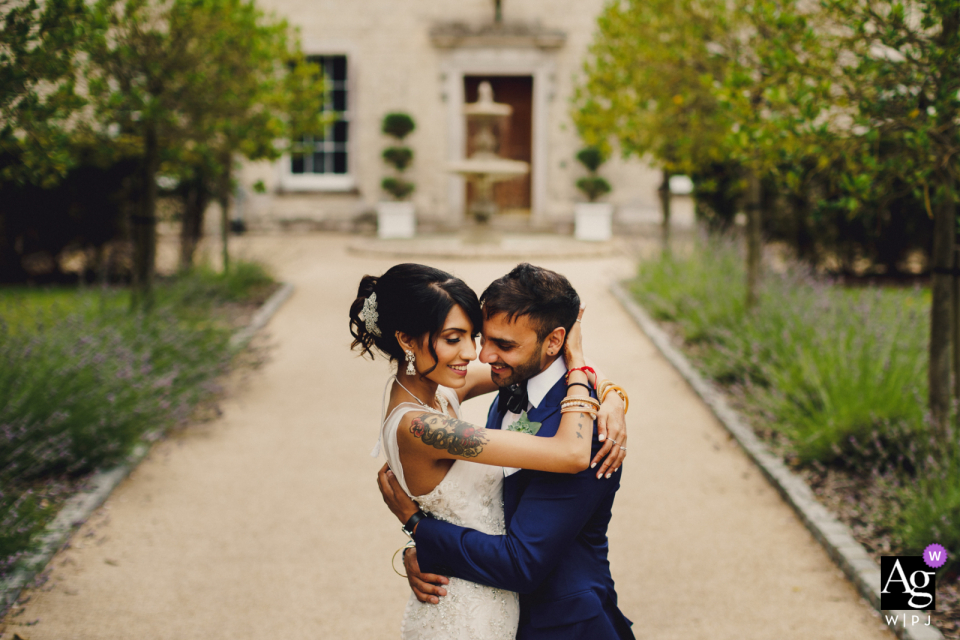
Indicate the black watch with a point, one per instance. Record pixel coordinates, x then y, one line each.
412 522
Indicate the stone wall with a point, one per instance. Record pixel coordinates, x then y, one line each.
395 65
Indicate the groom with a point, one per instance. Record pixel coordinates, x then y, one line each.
555 550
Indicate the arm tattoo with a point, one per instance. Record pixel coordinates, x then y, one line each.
457 437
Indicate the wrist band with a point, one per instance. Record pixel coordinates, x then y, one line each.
585 370
407 527
575 384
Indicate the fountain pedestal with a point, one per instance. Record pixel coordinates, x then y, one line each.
484 168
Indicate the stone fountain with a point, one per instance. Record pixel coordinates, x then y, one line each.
484 167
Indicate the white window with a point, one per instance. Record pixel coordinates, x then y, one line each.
322 161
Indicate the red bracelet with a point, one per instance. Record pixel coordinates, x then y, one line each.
585 370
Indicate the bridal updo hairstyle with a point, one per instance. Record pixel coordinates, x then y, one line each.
413 299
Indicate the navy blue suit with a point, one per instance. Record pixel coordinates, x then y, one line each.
554 552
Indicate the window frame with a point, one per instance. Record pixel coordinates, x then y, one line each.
332 182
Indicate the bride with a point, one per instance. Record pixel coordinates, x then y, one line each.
426 321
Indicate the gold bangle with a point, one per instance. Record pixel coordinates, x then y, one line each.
393 560
620 392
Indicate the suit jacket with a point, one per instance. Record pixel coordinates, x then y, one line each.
554 552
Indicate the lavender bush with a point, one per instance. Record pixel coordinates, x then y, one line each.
830 367
83 382
840 373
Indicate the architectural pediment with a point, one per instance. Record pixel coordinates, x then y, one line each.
456 35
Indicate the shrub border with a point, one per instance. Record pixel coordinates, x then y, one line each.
101 484
833 535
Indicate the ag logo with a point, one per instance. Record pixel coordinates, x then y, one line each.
906 582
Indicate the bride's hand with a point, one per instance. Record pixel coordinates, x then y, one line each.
573 345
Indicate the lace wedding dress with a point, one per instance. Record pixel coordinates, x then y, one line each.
470 495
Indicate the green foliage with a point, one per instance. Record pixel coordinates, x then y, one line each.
397 187
591 158
82 381
930 510
39 102
398 157
204 286
827 367
593 187
398 125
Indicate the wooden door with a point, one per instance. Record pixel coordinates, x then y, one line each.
516 136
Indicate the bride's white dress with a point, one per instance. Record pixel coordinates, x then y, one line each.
470 495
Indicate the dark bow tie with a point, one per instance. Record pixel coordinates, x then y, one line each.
513 398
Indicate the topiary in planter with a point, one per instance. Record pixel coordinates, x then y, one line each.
399 157
397 187
592 186
397 126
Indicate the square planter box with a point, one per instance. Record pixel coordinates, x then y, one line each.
395 220
593 221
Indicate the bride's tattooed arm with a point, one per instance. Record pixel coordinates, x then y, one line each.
457 437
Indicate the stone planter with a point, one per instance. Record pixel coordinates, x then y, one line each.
395 220
593 221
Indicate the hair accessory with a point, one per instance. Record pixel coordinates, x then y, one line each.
410 358
576 384
369 314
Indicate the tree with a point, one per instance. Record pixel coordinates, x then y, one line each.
649 86
146 62
170 75
38 74
903 79
38 97
258 98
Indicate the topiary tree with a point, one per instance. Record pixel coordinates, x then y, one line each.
398 126
592 186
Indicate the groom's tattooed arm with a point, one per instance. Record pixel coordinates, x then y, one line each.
457 437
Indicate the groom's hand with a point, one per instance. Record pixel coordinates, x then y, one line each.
612 432
426 586
393 495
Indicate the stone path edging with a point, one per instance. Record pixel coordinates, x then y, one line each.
79 507
835 537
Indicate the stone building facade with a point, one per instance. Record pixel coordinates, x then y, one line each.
425 59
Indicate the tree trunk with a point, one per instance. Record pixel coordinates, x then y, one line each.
144 227
196 198
754 238
941 321
223 195
664 193
956 326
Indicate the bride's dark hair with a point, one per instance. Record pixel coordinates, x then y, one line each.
413 299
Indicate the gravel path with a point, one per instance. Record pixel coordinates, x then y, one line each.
266 522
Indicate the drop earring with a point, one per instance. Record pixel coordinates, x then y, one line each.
410 360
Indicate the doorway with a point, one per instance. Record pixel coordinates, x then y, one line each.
516 137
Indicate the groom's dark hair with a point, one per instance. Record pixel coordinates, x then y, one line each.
545 296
